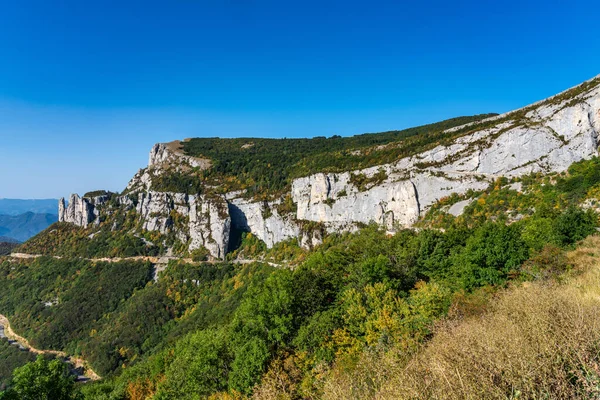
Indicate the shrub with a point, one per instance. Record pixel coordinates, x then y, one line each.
573 225
200 254
199 367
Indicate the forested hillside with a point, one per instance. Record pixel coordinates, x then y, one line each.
343 323
330 268
296 200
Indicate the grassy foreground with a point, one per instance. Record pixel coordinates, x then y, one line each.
537 339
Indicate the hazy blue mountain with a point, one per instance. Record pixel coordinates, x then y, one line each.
20 206
23 226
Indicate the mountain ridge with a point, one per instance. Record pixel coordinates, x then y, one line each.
547 136
333 283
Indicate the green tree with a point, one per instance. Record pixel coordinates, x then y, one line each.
249 365
266 312
573 225
538 232
42 380
262 324
490 254
199 368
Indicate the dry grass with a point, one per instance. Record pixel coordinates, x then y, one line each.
538 340
280 382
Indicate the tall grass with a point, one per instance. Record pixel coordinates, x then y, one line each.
537 340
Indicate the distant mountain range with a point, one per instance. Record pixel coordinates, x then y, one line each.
21 219
20 206
6 239
23 226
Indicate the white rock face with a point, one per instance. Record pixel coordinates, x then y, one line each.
169 154
547 136
80 211
457 209
141 181
250 216
209 226
193 219
332 199
550 137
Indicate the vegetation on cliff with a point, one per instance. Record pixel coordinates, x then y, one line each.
265 167
67 240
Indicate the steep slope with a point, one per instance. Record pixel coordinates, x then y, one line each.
7 246
191 194
533 340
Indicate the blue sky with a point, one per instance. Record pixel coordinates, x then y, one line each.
87 87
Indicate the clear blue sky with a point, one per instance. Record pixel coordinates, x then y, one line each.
86 87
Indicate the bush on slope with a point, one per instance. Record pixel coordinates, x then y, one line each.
536 340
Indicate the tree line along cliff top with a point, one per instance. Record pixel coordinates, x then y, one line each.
261 165
265 167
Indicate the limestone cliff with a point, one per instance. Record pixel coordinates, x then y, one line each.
544 137
165 156
194 219
80 211
263 220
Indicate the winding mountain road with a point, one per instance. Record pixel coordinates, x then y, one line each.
75 361
154 260
160 264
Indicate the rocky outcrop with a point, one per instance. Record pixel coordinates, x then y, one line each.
194 220
170 156
544 137
332 199
80 211
397 201
263 220
209 226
